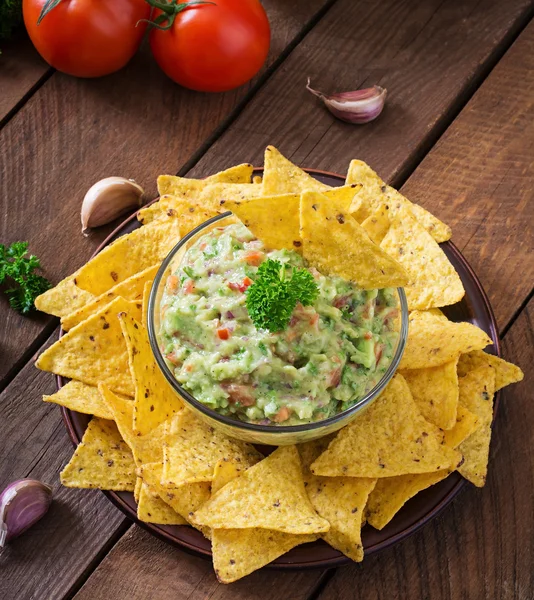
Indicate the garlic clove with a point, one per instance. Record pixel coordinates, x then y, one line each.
108 199
22 504
358 107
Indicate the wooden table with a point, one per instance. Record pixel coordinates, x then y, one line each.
457 136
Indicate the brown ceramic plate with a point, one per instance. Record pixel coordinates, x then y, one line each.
474 308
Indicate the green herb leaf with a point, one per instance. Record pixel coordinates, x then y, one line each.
277 288
19 269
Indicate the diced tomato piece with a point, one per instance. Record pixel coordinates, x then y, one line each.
239 393
172 283
282 415
254 258
171 358
368 335
203 246
335 377
247 282
378 352
240 287
223 333
314 319
189 287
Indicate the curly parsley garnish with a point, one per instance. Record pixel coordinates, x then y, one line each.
277 288
14 266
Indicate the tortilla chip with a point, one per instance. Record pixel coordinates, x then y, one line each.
82 398
129 289
339 500
102 460
225 471
155 400
269 495
433 280
239 552
434 341
281 176
94 351
476 394
390 438
64 298
192 449
184 187
184 500
376 225
160 208
375 192
505 372
435 391
137 489
151 509
257 179
336 244
130 254
392 493
238 174
144 311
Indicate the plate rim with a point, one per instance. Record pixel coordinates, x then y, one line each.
335 561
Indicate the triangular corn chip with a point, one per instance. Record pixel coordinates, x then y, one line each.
375 192
434 341
392 493
129 289
155 400
435 391
81 398
146 295
170 184
390 438
505 372
64 298
94 351
152 509
137 489
336 244
376 225
192 449
339 500
102 460
476 394
281 176
226 469
128 255
269 495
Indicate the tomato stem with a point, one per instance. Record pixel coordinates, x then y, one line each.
169 11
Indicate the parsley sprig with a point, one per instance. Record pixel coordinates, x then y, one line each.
19 269
277 288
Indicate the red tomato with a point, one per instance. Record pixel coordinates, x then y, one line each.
87 38
223 334
213 47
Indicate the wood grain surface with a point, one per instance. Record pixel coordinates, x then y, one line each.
135 123
481 547
21 68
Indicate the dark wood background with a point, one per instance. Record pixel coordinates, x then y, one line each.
457 136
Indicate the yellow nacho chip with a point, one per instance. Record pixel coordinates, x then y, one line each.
476 394
102 460
375 192
225 470
281 176
192 449
435 391
238 174
505 372
81 398
336 244
137 489
269 495
257 179
390 438
339 500
392 493
434 341
152 509
130 254
376 225
129 289
64 298
155 400
144 311
182 186
433 280
94 351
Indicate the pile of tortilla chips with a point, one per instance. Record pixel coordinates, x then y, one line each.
433 418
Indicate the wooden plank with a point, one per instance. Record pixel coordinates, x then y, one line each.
481 547
21 68
136 123
48 559
140 566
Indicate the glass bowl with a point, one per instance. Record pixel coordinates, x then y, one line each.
275 435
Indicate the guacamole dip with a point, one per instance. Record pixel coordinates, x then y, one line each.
327 358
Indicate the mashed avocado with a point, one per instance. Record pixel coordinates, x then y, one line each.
330 355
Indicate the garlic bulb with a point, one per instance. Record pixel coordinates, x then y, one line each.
360 106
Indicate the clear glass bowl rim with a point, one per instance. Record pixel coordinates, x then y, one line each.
252 427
